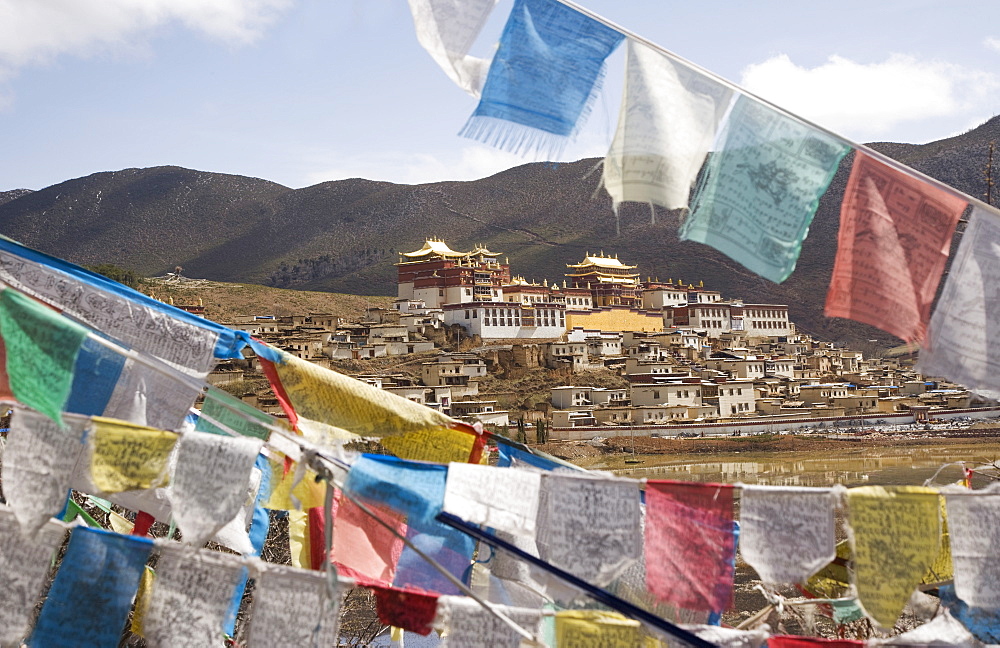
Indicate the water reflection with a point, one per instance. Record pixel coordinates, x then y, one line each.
852 467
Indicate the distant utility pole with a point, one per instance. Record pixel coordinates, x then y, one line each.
989 173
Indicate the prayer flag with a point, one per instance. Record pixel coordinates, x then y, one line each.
467 624
786 533
89 601
729 637
983 623
409 610
543 78
447 29
895 539
124 314
107 384
362 548
943 631
326 405
221 408
293 607
41 351
411 488
209 482
500 498
587 628
295 489
669 117
974 523
895 233
690 544
190 597
417 491
759 193
24 565
128 457
961 342
589 526
38 465
794 641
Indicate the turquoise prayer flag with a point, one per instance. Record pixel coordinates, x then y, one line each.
758 193
42 347
234 414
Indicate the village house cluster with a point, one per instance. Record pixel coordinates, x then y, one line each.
688 354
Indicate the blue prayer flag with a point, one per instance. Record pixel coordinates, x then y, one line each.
417 490
91 596
547 69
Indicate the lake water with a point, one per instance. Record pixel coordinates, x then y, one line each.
849 466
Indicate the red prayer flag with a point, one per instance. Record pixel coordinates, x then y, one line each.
362 548
690 544
895 233
407 609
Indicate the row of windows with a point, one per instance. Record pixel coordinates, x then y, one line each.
681 393
757 312
759 324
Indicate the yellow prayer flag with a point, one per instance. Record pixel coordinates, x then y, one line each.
942 569
142 601
120 524
588 628
896 538
309 492
439 446
129 457
298 539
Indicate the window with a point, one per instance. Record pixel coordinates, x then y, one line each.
656 393
475 314
466 314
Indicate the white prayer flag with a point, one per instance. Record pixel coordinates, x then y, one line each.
24 564
668 121
209 484
787 533
38 464
447 29
589 526
467 624
148 397
293 607
502 498
974 532
727 637
191 596
960 345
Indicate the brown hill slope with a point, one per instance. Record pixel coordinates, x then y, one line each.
344 236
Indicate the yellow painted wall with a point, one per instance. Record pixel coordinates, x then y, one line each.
616 319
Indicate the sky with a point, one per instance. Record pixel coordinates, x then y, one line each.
305 91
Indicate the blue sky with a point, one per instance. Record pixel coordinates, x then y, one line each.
303 91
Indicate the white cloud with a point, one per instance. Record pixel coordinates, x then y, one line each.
992 43
33 31
470 162
869 101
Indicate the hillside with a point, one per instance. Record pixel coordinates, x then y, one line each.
224 301
344 236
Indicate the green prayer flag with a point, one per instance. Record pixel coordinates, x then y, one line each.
234 414
42 346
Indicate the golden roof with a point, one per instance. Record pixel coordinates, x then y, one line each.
601 262
434 247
